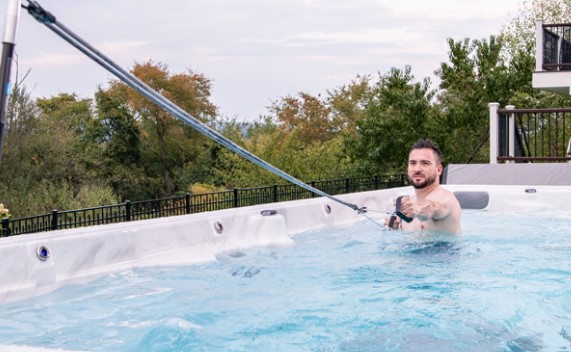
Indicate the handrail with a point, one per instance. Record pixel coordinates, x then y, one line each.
532 158
533 111
546 25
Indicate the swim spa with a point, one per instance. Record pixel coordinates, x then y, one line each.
314 276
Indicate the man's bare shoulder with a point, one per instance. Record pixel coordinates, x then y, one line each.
441 192
444 196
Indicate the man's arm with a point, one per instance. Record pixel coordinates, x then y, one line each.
436 207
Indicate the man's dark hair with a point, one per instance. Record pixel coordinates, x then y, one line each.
428 144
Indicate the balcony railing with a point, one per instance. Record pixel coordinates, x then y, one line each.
529 135
553 47
552 58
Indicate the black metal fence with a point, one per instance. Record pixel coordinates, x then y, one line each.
541 135
191 203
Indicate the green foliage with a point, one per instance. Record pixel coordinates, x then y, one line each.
348 103
49 152
119 137
158 146
476 75
21 122
398 113
118 131
304 138
44 196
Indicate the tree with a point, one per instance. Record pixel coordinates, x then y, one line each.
348 103
119 137
21 115
475 76
167 143
15 172
49 155
216 165
61 147
398 113
304 136
308 115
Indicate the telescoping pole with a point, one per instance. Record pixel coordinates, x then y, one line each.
8 44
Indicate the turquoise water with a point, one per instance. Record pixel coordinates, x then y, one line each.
505 285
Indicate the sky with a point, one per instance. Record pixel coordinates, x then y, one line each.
253 51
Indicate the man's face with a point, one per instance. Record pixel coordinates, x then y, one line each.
423 169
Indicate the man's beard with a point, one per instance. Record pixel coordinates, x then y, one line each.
427 182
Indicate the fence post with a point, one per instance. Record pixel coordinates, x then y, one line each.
376 182
539 45
187 202
54 219
235 197
128 210
493 132
346 184
5 227
511 132
313 185
275 192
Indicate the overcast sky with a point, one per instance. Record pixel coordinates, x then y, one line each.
254 51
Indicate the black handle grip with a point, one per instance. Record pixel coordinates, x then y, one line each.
392 221
398 212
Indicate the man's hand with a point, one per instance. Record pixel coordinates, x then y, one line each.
422 210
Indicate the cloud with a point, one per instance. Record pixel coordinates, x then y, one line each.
357 37
54 61
451 9
255 51
66 61
123 47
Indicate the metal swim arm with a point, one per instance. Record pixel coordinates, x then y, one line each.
50 21
8 44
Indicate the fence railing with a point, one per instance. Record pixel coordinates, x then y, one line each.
553 41
529 135
191 203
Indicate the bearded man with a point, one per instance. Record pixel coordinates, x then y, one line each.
433 207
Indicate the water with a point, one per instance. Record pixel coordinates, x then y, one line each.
505 285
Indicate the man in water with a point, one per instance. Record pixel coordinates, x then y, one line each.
432 207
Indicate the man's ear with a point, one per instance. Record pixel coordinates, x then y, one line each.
439 169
